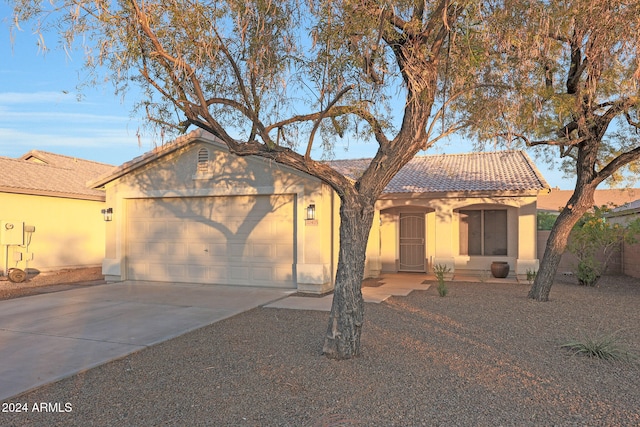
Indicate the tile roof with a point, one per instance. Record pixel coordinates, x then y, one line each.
50 174
482 171
557 199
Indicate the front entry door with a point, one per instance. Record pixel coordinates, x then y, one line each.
412 248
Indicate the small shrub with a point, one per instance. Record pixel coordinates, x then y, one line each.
593 235
442 289
440 270
531 276
606 347
546 220
588 271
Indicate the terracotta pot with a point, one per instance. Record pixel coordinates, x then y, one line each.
500 269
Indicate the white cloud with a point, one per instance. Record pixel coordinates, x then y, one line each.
114 146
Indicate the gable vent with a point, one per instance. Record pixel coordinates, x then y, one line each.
203 160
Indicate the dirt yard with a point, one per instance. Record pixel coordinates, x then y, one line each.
53 281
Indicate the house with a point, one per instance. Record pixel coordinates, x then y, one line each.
552 203
630 252
49 218
192 212
556 199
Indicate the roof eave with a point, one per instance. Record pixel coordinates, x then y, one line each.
151 156
59 194
461 194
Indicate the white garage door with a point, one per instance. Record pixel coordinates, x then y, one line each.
236 240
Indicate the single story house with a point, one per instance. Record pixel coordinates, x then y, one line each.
190 211
556 199
49 218
630 255
553 202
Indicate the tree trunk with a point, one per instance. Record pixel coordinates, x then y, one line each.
347 310
552 254
579 203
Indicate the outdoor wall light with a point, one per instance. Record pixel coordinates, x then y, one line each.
311 212
108 214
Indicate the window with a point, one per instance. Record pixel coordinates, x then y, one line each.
483 232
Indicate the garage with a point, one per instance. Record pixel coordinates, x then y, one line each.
232 240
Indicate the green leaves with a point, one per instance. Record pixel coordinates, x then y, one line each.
595 239
600 346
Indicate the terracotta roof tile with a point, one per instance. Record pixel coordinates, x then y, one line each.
44 173
492 171
483 171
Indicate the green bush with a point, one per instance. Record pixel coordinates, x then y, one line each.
531 275
588 271
545 220
594 234
440 270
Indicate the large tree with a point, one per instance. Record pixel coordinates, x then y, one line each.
265 76
566 77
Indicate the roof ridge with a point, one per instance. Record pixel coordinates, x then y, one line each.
24 162
48 153
469 153
543 182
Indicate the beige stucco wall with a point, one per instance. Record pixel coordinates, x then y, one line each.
317 242
174 175
68 233
442 231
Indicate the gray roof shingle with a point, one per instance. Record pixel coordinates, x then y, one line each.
49 174
482 171
630 207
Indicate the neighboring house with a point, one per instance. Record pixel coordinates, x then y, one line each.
556 199
48 191
192 212
552 202
630 252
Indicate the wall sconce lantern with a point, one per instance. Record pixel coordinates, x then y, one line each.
311 212
108 214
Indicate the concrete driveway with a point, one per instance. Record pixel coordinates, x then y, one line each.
47 337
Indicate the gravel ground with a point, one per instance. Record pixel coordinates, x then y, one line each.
483 356
52 281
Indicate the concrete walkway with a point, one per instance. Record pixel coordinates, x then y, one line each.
393 284
397 284
44 338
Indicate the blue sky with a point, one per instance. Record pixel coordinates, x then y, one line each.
40 109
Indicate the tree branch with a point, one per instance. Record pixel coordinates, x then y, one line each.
322 115
617 163
247 111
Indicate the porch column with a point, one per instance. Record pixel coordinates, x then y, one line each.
527 240
444 231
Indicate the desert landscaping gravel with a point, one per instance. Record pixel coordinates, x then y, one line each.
485 355
52 281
